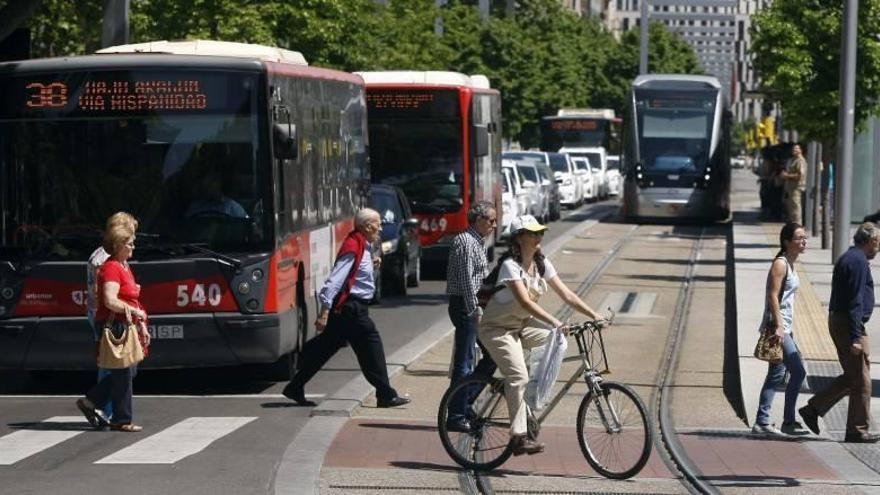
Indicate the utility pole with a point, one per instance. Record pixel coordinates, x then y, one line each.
843 167
643 40
438 21
484 9
115 27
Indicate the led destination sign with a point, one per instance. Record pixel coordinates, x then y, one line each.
412 103
121 96
122 93
574 125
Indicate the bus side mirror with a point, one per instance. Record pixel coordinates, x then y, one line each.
284 140
481 140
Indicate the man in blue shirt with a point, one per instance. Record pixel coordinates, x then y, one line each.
344 317
852 301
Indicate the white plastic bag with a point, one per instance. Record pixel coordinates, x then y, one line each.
545 362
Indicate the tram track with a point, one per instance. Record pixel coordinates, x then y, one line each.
665 437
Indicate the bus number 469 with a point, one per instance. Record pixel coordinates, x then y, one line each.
198 295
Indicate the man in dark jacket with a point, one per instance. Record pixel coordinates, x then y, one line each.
852 301
344 316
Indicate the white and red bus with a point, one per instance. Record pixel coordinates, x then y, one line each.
437 136
581 128
243 165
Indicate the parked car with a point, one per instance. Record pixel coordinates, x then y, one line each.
400 247
522 197
511 202
613 174
598 160
546 176
540 192
571 186
587 176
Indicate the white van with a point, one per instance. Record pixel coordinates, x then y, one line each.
598 159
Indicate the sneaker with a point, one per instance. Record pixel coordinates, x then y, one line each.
765 430
794 428
810 417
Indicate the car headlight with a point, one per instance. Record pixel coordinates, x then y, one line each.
389 246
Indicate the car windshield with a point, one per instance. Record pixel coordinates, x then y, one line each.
558 162
613 164
529 173
386 204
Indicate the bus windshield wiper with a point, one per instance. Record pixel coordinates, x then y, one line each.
220 257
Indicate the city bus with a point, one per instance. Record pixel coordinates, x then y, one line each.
676 162
437 136
243 165
581 128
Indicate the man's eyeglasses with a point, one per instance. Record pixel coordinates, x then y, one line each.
491 221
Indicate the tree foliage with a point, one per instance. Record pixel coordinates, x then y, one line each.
797 56
543 58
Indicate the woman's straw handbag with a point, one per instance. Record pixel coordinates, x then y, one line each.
123 352
769 349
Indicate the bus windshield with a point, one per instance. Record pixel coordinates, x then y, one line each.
416 144
182 151
675 129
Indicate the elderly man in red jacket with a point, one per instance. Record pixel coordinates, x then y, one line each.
344 316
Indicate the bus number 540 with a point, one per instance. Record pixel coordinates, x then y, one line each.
198 295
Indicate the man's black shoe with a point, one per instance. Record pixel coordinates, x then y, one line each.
460 425
298 395
393 402
810 417
859 438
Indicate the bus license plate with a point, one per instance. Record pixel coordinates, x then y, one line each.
166 332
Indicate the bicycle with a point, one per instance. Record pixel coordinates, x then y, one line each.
613 427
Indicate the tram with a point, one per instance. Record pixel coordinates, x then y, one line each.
676 161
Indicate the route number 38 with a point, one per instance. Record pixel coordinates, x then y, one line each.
47 95
198 295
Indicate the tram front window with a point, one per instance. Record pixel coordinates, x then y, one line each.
189 177
674 131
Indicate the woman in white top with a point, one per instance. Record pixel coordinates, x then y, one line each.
782 285
506 327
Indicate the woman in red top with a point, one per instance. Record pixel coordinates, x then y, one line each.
117 291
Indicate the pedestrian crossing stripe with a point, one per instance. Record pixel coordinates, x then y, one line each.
181 440
24 443
174 443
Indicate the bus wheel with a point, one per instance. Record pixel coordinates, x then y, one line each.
286 366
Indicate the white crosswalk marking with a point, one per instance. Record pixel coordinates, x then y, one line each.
172 444
25 443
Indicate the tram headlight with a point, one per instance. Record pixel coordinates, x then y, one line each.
707 177
639 176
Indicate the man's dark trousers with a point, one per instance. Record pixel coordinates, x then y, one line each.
353 325
463 358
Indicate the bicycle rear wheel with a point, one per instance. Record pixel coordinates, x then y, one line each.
487 444
613 431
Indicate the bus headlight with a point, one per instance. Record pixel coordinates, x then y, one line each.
244 288
257 275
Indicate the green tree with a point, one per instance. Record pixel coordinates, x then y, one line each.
797 56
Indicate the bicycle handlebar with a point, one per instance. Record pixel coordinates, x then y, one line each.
591 325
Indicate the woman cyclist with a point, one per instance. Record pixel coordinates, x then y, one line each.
506 327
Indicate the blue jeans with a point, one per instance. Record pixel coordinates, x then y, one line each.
791 361
115 388
463 357
108 409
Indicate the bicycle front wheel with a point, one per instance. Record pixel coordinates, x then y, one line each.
613 431
487 444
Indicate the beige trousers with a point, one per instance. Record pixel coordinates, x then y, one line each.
506 346
793 201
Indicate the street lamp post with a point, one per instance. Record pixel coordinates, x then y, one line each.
843 167
643 41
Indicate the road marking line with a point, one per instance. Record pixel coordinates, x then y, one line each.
25 443
172 444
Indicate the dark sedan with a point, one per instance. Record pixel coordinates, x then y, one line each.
400 239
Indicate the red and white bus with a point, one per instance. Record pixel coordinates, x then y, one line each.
437 136
243 165
581 128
